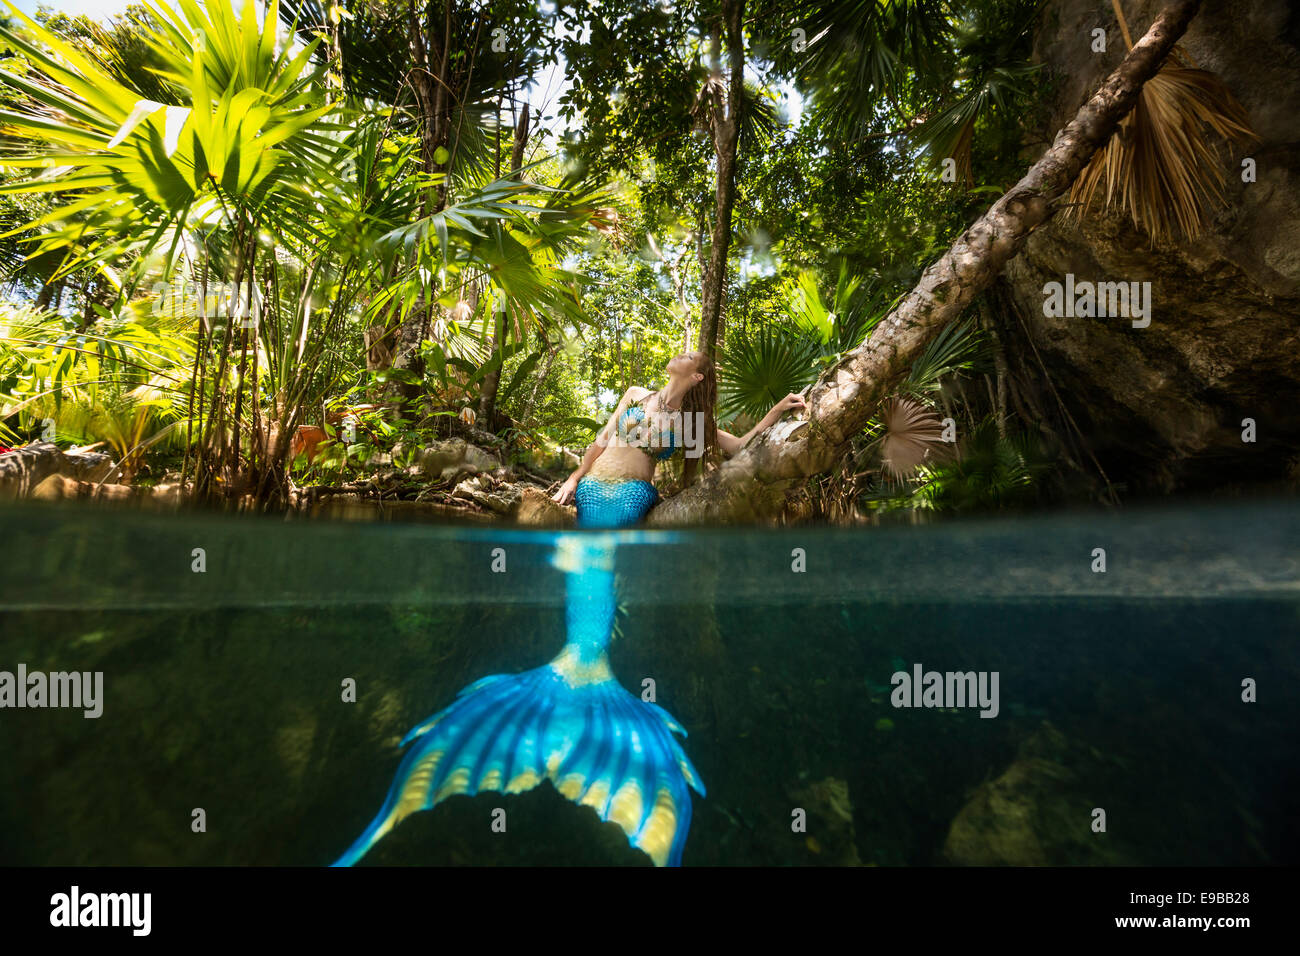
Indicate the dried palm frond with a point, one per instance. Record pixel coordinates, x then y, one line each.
913 434
1160 167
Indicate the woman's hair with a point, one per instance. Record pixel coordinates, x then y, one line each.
703 398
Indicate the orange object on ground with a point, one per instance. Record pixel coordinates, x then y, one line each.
305 440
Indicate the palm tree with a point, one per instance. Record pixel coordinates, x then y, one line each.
260 178
446 75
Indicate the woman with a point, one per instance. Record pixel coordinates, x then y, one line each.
612 487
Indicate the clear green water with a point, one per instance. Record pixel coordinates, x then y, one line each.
222 690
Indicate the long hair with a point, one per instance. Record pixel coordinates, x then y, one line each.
702 398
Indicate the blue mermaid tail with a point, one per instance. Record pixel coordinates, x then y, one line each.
613 502
569 722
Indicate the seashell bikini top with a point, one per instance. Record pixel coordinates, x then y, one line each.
635 415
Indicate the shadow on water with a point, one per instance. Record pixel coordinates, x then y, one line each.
223 690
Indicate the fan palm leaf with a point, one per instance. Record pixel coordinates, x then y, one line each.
859 52
950 133
912 435
761 368
958 346
131 168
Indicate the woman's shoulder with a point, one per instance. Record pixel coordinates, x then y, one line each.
636 394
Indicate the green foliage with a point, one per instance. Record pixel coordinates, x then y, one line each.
960 346
119 386
988 472
188 142
858 54
763 367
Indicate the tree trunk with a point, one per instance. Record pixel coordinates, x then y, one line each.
526 417
752 485
726 136
47 295
430 81
487 400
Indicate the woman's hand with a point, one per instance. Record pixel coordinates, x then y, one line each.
566 492
793 400
731 444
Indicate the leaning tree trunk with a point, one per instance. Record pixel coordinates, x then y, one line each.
752 485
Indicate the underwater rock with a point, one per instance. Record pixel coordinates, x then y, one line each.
831 837
1037 813
294 742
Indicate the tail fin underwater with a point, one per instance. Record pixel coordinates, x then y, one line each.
569 722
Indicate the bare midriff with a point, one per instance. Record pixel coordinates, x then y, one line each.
623 461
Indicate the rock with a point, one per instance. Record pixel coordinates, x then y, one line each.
1036 813
480 490
1162 406
168 492
58 487
451 460
538 510
352 508
24 469
831 837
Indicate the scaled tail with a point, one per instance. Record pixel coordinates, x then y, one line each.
569 722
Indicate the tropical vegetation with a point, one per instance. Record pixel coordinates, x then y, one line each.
228 222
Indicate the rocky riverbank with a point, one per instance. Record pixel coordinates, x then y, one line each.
452 480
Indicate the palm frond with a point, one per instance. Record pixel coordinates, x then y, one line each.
1160 168
958 346
760 368
862 51
912 435
950 133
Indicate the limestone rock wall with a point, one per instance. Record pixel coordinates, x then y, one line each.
1162 406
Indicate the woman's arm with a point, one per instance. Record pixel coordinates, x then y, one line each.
731 444
565 494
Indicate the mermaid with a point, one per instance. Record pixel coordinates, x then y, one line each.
570 722
613 487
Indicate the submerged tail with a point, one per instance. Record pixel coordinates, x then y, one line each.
569 722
